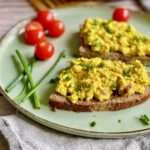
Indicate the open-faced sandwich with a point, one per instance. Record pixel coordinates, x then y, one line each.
110 39
99 85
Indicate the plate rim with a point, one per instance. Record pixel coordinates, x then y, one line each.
69 130
73 131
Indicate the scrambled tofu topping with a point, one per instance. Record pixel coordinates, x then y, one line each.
94 78
104 36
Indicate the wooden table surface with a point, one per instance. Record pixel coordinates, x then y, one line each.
17 10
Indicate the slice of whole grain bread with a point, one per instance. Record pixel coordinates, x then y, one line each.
115 103
84 51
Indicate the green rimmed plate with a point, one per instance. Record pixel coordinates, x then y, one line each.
107 125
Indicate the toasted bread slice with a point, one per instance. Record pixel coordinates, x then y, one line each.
84 51
115 103
105 34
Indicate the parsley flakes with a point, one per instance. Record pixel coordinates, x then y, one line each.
119 120
87 67
78 88
101 65
144 119
93 124
66 71
114 87
68 78
54 80
126 73
108 30
128 29
112 49
64 55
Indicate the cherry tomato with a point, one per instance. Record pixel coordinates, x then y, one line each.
33 25
45 17
33 37
121 14
56 28
44 50
34 33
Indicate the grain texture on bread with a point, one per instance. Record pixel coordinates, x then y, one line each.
110 39
115 103
84 51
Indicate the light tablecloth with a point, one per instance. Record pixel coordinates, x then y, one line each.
24 134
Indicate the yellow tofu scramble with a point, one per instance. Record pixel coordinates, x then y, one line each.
104 36
94 78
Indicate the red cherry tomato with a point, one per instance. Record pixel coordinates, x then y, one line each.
33 37
33 25
45 17
56 28
44 50
121 14
34 33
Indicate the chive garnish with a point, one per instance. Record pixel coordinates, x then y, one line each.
18 78
126 73
119 120
16 81
144 119
64 55
112 49
97 45
109 21
113 87
78 88
108 30
66 71
137 38
30 78
87 67
128 29
41 81
26 82
68 78
54 80
93 124
101 65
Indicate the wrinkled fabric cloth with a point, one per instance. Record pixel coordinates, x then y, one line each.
23 134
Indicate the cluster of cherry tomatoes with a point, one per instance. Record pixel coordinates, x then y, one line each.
35 33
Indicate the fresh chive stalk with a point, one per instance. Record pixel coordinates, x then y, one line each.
20 96
16 81
22 92
27 71
43 78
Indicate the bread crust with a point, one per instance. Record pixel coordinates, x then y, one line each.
115 103
84 51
